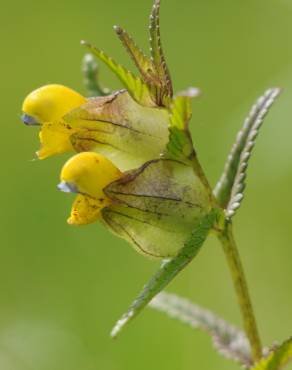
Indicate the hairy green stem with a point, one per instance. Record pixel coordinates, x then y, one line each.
225 234
231 252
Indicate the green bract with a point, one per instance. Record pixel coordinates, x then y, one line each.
116 126
156 207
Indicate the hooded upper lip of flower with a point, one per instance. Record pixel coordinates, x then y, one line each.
87 174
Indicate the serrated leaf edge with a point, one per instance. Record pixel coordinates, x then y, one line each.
229 341
230 187
136 87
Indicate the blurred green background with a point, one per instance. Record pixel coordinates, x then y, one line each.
62 288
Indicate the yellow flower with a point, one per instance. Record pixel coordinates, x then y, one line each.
88 174
115 125
155 207
46 106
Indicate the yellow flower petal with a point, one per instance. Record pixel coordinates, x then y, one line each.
86 210
55 139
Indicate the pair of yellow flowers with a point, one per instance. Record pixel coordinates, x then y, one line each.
86 173
119 175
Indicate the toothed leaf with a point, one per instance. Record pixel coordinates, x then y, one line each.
143 63
168 270
157 55
277 359
146 67
135 86
229 341
229 189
